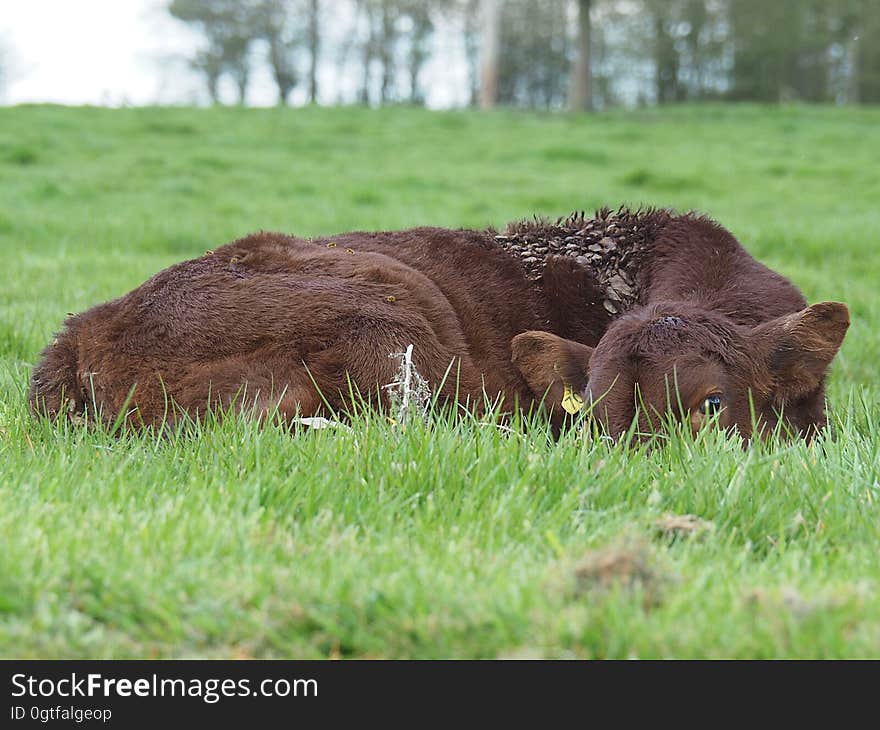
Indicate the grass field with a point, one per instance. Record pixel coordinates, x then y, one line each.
457 539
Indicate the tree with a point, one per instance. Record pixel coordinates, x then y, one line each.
418 16
470 12
490 53
276 25
366 42
229 29
236 57
675 49
314 46
209 62
770 65
580 96
666 60
535 56
394 38
386 42
863 22
695 17
552 53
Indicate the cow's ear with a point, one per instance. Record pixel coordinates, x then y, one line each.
801 346
555 368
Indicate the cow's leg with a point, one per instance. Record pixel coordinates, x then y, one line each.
355 372
263 383
339 378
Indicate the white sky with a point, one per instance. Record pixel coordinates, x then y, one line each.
87 51
114 52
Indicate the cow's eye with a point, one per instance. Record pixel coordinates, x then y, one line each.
711 405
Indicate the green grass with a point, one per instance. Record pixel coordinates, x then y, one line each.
457 539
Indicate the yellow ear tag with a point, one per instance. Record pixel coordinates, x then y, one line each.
571 401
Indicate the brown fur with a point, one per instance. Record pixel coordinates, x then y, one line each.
264 320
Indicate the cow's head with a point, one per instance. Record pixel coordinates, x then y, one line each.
673 359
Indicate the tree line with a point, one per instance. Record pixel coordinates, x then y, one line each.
580 54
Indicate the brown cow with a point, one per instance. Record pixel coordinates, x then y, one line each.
638 315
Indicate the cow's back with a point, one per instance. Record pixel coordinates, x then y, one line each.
279 315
